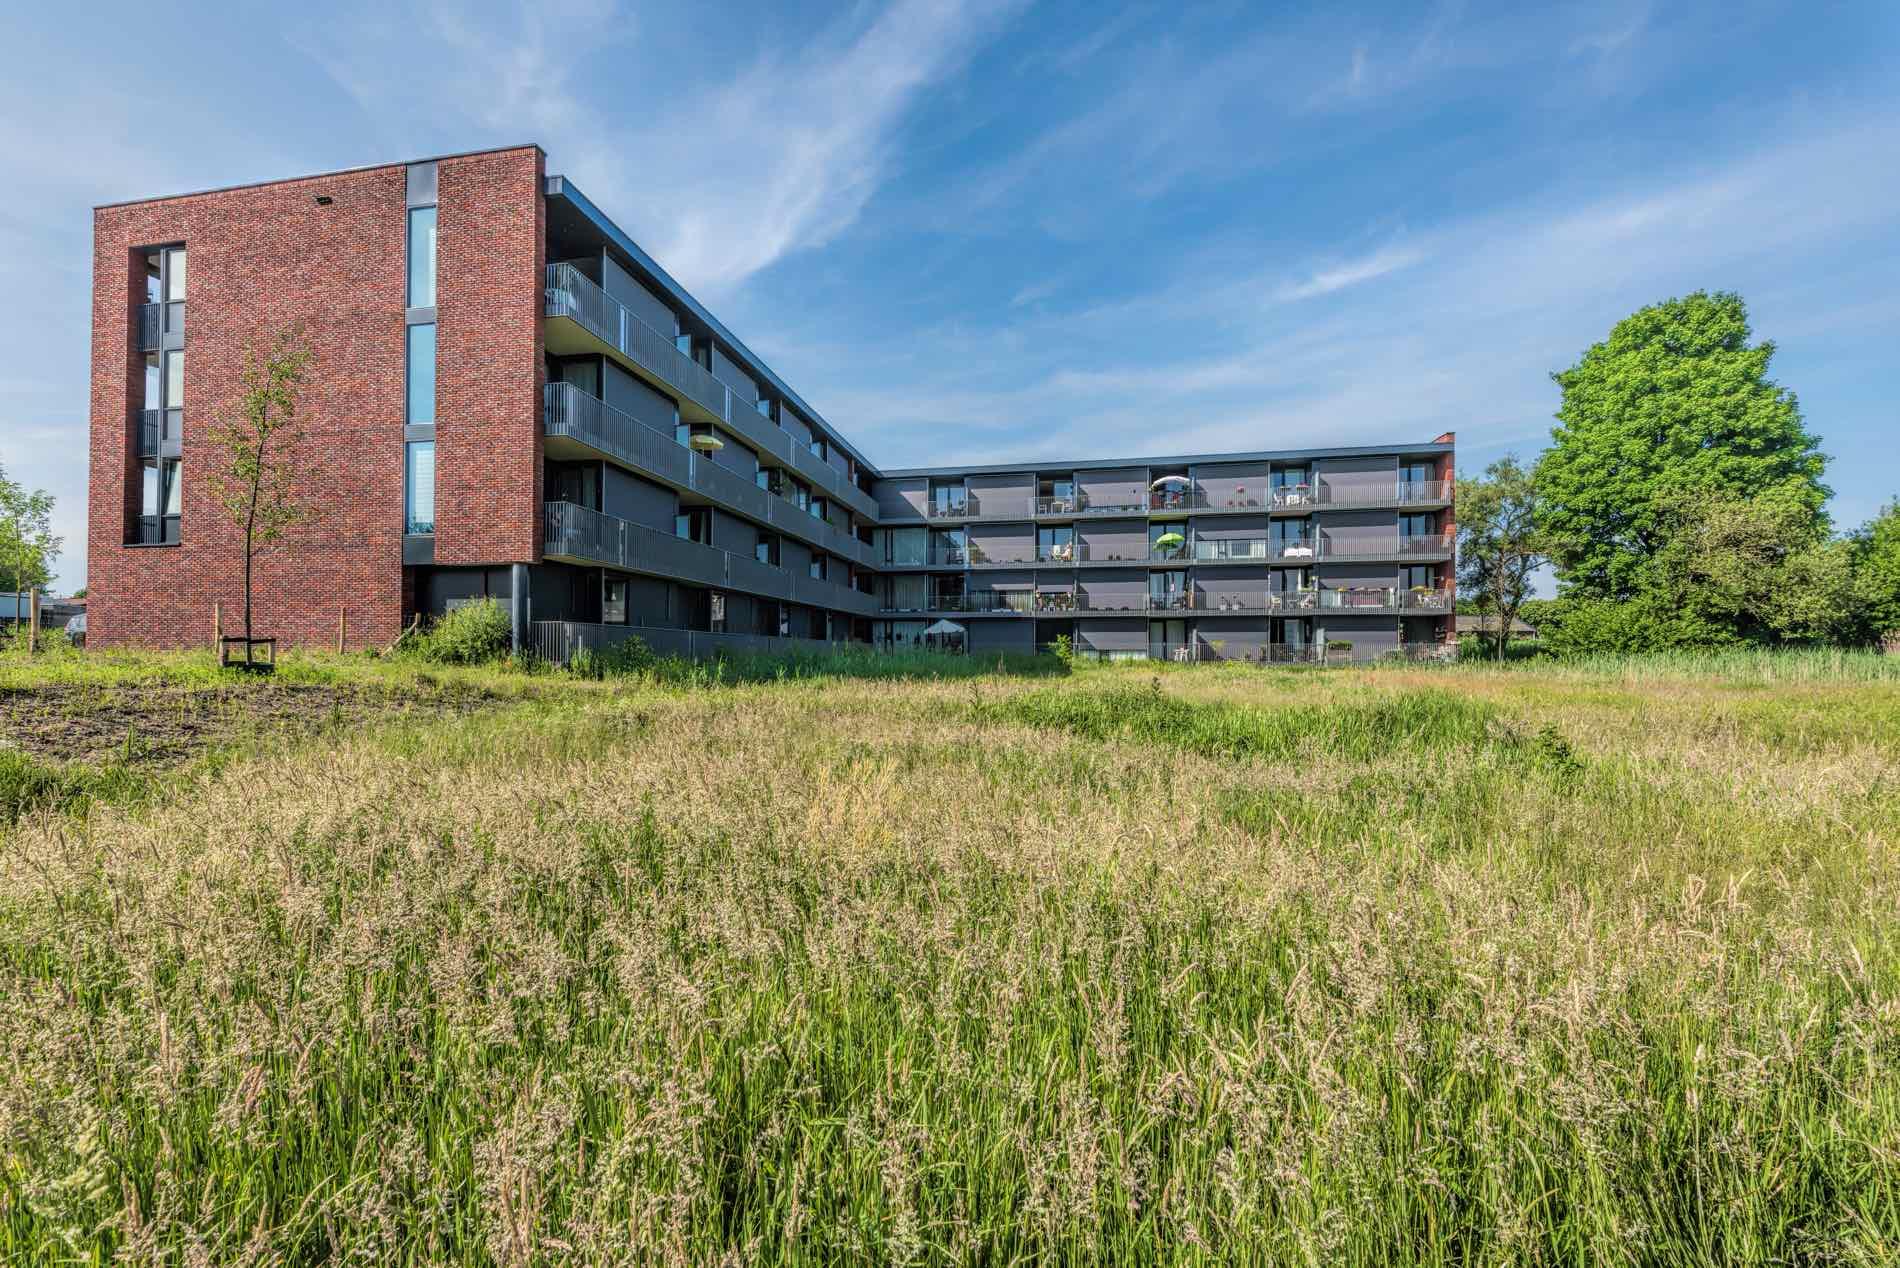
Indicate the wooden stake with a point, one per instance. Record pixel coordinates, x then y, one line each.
339 629
33 620
217 631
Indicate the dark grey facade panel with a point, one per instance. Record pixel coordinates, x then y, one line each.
631 498
1003 541
1356 530
1113 588
1346 478
729 372
1369 636
1123 486
1211 585
1095 465
636 298
1113 634
631 396
901 499
1113 539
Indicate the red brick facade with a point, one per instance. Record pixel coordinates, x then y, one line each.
262 258
492 249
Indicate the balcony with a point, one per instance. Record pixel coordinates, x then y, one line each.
161 432
574 416
1400 493
577 534
559 641
582 425
1234 550
593 315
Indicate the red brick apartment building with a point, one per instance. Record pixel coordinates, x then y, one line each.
509 398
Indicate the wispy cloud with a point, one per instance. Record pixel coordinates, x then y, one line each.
1350 273
725 172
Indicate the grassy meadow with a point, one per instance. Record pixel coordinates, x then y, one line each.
915 962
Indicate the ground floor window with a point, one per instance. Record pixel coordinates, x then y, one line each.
613 602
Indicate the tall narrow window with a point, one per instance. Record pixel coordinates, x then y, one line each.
422 257
419 488
174 380
175 275
613 602
421 408
174 487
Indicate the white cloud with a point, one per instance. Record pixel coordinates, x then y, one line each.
722 171
1351 273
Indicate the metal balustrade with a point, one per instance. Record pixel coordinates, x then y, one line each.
575 296
576 415
586 535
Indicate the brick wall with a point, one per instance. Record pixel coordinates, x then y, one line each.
490 262
262 258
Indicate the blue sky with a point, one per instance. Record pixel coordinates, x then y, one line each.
993 228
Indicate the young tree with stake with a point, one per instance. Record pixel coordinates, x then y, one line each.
254 478
1499 544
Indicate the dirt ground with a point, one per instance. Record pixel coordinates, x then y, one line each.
160 725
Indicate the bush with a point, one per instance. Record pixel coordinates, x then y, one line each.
473 634
630 655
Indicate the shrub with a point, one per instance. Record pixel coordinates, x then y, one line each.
630 655
473 634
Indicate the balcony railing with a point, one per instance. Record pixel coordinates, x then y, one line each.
1232 549
160 431
573 295
578 532
1403 492
150 322
580 416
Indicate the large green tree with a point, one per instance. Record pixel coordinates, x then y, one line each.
1876 597
1676 401
28 547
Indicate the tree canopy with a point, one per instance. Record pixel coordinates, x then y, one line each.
1677 401
1499 544
28 547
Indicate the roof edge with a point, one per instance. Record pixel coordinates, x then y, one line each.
317 176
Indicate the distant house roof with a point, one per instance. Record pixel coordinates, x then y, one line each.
1486 625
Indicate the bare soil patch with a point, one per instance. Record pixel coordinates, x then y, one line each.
165 725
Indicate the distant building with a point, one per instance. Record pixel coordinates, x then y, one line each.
511 399
1467 624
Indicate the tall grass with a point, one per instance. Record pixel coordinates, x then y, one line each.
1246 968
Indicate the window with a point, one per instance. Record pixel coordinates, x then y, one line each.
818 447
1420 576
817 568
716 615
421 406
613 602
175 275
419 488
422 257
801 496
817 508
161 499
153 399
174 380
1417 524
154 278
766 552
947 497
764 406
1415 472
1056 544
694 525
